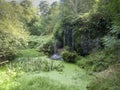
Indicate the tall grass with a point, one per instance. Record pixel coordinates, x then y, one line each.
34 64
33 82
109 80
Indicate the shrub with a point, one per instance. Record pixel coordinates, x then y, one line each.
96 61
69 56
84 63
45 44
13 34
47 48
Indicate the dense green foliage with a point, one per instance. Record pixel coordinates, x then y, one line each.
97 29
96 34
83 32
12 32
38 41
97 61
109 80
43 44
69 56
49 16
48 48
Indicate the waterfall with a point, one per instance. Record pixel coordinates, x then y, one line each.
55 47
68 38
85 45
72 39
64 37
56 55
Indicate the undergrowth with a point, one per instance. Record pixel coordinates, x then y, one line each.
35 64
96 62
34 82
107 82
29 53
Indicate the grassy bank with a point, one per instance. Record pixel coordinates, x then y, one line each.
67 77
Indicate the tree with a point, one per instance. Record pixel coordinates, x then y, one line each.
49 16
12 32
77 6
44 8
26 4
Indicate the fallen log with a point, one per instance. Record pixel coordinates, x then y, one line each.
1 63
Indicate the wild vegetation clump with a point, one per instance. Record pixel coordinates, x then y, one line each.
108 79
69 56
37 64
97 61
13 34
37 42
48 48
